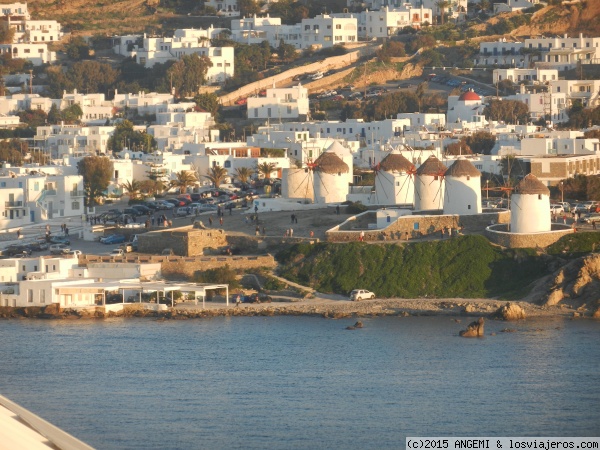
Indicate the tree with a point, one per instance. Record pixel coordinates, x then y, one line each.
125 136
208 102
458 148
248 8
133 188
265 169
184 178
72 114
481 142
398 102
286 52
442 4
97 173
216 175
85 76
188 74
243 174
10 151
508 111
421 89
78 49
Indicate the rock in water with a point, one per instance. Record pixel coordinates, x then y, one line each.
475 329
53 308
510 311
358 324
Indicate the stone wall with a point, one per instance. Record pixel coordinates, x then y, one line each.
334 62
416 226
187 267
499 235
184 241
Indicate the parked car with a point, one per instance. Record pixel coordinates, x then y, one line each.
112 239
316 76
117 252
144 210
59 249
59 239
74 253
208 207
132 212
556 209
566 206
579 208
163 204
17 249
183 211
361 294
589 218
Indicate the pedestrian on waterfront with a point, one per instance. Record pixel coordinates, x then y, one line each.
165 223
170 223
312 234
238 300
337 209
221 220
442 231
152 220
210 220
293 217
264 231
256 209
291 232
230 210
66 231
593 224
406 235
19 233
257 230
246 220
361 236
565 219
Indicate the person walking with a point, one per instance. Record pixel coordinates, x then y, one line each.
210 220
593 224
257 230
361 236
19 233
565 219
221 220
293 217
264 231
312 234
291 232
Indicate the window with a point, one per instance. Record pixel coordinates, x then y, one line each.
227 164
42 296
338 27
75 205
29 295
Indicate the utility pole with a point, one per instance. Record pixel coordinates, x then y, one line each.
30 81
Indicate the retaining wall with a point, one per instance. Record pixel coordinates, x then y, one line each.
184 241
499 235
416 226
334 62
189 266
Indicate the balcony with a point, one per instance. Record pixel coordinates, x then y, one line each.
50 191
76 193
13 204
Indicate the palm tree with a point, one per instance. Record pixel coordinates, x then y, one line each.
243 174
184 179
265 169
132 188
442 5
216 175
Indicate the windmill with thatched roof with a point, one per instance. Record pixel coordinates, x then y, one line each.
530 207
463 188
429 188
330 178
394 179
298 182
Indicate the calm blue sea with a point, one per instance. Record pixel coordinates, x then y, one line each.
301 382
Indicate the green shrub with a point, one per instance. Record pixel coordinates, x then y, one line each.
466 266
575 244
355 208
220 275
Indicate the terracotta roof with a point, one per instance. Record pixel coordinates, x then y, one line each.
432 166
531 185
396 162
331 163
469 95
462 168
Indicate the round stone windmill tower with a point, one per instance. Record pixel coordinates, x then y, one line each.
345 155
530 207
395 179
331 178
429 185
463 189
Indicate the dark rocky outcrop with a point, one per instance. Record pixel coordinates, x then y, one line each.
475 329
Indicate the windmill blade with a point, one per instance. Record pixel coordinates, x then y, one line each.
304 180
310 185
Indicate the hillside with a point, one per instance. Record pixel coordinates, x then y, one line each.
578 17
466 267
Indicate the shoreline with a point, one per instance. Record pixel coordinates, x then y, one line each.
326 308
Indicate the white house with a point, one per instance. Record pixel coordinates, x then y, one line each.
529 76
326 31
37 53
514 5
502 52
564 53
464 107
586 91
280 103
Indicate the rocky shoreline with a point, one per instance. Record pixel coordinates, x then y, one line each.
332 309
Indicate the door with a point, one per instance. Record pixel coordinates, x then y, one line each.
32 216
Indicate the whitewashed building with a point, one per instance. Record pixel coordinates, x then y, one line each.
279 103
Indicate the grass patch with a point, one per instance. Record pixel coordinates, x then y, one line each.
467 266
575 245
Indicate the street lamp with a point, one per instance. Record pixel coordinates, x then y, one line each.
487 189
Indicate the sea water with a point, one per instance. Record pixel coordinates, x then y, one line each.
301 382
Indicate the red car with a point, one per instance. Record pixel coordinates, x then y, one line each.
241 101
